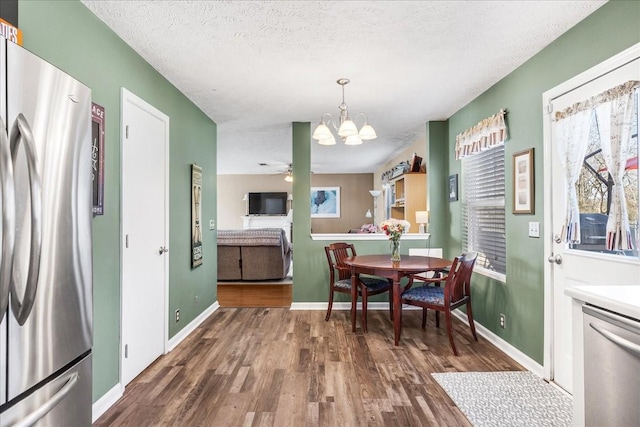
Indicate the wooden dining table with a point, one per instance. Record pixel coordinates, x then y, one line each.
382 266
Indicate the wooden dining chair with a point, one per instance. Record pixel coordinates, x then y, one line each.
455 293
340 280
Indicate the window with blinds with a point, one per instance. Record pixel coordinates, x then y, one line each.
483 210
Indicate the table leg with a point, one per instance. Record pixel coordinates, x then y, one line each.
354 298
397 309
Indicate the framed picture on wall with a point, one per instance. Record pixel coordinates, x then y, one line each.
325 202
453 187
523 183
196 215
97 157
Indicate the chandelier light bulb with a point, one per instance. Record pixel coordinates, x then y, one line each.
322 132
348 131
347 128
353 140
328 141
367 132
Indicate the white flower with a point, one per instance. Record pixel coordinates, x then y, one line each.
394 228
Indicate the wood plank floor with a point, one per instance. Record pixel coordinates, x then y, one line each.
276 367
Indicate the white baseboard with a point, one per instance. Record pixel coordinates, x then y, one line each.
504 346
184 332
105 402
343 306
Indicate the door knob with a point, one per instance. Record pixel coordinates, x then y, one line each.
557 259
163 249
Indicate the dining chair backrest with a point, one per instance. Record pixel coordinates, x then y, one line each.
458 283
336 254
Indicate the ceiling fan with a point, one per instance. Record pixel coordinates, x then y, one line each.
285 169
289 174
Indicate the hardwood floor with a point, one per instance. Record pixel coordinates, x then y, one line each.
276 367
254 295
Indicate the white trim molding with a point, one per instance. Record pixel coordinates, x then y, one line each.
346 237
184 332
107 400
504 346
343 306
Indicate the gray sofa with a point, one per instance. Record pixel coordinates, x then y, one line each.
255 254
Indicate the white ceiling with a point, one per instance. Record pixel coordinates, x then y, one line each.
255 67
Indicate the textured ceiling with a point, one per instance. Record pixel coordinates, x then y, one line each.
256 66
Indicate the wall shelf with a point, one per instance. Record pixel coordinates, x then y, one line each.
409 194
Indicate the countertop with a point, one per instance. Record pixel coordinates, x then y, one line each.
346 237
617 298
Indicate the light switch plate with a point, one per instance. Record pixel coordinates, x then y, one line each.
212 224
534 229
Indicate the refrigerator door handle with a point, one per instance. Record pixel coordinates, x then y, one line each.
22 132
36 415
7 193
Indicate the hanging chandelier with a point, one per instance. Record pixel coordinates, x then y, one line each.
347 129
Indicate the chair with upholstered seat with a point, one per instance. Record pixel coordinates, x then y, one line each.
434 277
455 293
340 280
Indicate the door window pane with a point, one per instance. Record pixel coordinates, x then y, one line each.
594 192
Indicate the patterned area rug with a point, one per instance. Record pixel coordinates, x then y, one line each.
507 399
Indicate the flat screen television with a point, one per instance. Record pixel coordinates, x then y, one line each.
268 203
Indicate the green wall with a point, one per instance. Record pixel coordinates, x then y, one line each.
69 36
437 194
611 29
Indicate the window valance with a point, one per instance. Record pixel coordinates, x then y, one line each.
609 95
488 133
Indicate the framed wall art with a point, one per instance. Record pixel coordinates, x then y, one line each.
453 188
97 157
196 215
325 202
523 182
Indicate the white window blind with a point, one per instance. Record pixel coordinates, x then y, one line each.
483 210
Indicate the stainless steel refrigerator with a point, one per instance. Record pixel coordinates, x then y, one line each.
46 265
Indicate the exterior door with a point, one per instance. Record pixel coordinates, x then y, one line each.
588 263
145 148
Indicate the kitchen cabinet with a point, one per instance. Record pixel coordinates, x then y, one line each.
408 195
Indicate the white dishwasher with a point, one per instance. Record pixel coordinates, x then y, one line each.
612 368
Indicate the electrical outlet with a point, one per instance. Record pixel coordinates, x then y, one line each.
212 224
197 300
503 321
177 316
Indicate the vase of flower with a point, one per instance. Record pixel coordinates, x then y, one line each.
394 229
395 249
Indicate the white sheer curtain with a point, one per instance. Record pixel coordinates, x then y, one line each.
614 126
572 133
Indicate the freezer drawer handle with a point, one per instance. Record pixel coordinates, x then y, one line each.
627 345
7 193
36 415
22 132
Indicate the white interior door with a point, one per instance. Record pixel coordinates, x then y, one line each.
145 158
587 265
